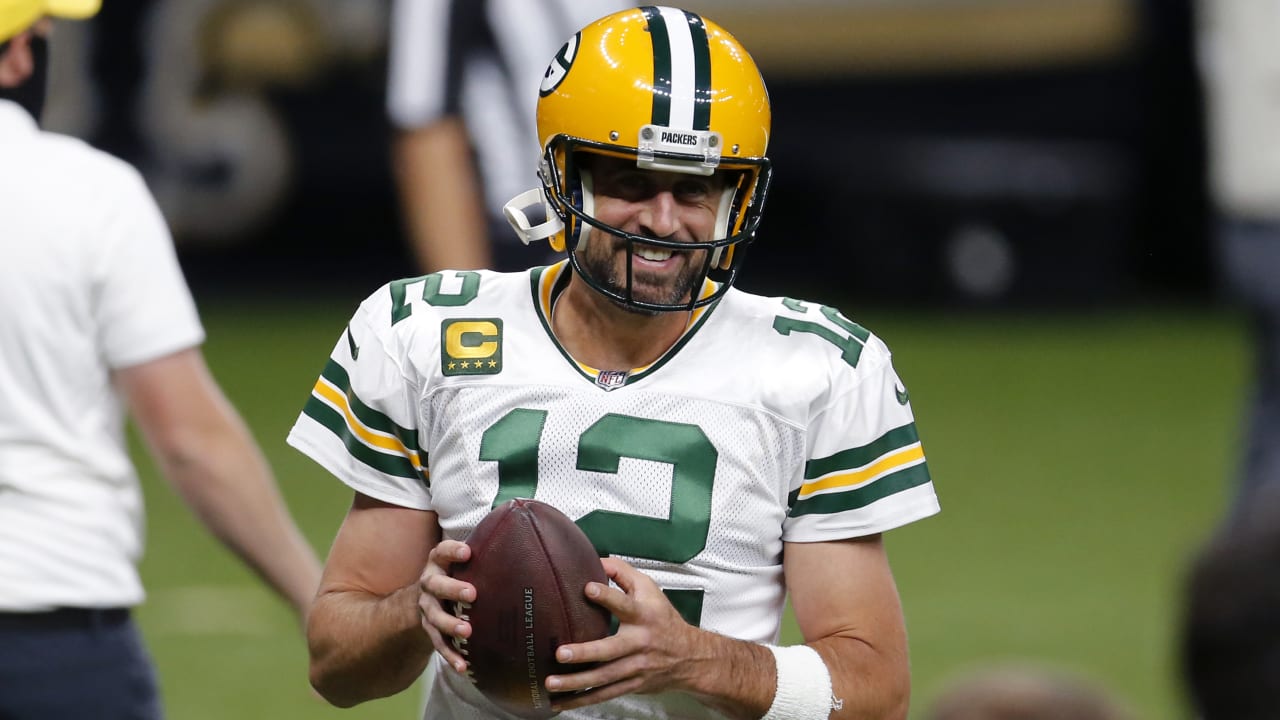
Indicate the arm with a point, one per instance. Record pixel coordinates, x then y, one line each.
852 618
368 630
441 197
205 451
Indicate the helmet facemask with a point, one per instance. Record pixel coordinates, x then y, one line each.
570 186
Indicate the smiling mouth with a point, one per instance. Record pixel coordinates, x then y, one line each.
653 253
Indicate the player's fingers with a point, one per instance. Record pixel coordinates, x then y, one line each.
621 573
439 616
444 629
610 598
631 581
447 588
597 694
446 622
446 648
447 552
642 603
598 651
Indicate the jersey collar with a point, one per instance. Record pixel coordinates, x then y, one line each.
547 283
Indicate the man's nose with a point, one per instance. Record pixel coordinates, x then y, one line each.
660 216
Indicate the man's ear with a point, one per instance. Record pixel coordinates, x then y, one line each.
15 66
7 73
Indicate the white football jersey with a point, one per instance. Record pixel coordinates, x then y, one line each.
771 420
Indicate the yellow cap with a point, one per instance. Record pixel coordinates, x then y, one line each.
18 15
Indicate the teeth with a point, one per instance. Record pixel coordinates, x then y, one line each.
652 253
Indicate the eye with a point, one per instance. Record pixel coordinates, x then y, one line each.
692 190
632 185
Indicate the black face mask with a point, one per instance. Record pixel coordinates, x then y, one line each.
30 94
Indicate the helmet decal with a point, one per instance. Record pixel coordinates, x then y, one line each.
559 66
681 69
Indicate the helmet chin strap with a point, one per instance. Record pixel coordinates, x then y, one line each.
553 226
514 211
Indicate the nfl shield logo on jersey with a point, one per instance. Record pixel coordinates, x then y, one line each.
612 379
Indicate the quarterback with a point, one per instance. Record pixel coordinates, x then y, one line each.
726 451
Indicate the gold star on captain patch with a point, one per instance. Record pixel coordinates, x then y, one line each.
453 366
465 364
493 363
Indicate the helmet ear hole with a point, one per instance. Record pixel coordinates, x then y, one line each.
586 202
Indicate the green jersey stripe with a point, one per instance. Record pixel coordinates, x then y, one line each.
397 465
859 497
895 439
372 419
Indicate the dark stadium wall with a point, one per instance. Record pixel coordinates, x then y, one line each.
1063 181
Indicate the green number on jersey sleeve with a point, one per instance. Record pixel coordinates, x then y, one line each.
402 303
513 441
851 345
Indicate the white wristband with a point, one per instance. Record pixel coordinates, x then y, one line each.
804 685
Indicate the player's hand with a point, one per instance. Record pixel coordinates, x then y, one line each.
437 594
647 653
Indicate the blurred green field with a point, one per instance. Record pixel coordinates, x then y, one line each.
1079 459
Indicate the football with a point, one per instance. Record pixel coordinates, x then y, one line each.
529 564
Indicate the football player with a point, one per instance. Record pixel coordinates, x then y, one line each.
726 451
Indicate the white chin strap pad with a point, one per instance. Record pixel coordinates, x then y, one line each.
722 221
588 205
515 208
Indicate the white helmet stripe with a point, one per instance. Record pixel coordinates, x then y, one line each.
684 83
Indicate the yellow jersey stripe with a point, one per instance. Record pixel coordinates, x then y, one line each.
549 279
888 463
382 442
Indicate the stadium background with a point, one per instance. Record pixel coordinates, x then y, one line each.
1010 192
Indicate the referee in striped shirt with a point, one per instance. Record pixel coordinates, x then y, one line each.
461 92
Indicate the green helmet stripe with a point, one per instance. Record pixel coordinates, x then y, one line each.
661 65
701 71
681 69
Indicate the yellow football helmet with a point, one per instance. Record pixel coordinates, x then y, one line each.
677 93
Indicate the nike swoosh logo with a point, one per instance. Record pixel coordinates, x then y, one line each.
902 394
351 343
